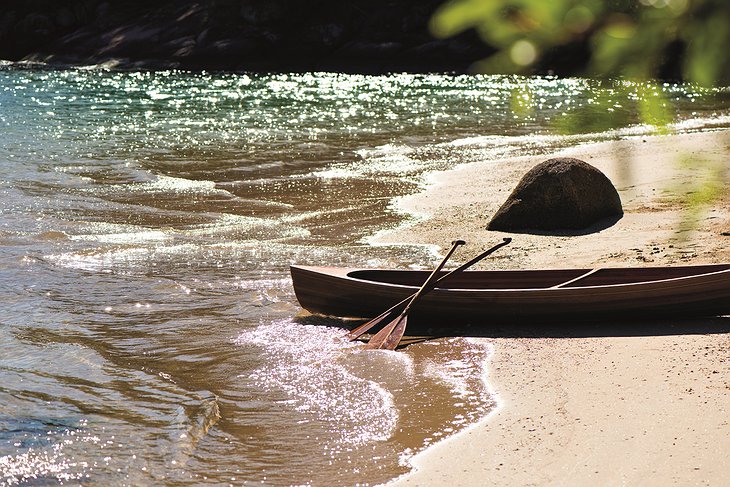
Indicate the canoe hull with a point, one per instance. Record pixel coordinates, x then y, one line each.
339 292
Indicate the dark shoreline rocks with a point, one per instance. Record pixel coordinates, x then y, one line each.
557 195
253 35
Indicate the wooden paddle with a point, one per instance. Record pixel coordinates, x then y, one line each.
394 311
391 333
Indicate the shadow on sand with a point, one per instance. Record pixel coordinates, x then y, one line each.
687 326
582 329
595 228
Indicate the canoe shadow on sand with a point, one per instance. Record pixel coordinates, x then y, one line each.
583 329
576 329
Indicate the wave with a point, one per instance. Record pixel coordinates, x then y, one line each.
305 362
414 161
169 184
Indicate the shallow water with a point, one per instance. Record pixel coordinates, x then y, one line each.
149 333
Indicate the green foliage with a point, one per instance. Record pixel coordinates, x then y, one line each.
705 188
707 55
618 104
522 102
628 38
654 109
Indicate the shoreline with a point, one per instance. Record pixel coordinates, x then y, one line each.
611 404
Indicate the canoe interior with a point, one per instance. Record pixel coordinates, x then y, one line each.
536 279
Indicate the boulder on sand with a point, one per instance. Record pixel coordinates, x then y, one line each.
559 194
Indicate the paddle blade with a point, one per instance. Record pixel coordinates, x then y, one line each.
365 327
379 338
395 336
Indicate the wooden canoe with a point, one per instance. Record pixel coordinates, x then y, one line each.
521 295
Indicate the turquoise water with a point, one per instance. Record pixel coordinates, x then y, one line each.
149 333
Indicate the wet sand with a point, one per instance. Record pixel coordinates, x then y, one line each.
609 404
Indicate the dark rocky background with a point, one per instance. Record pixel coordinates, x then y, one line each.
371 36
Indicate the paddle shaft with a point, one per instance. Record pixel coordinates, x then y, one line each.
384 334
432 277
357 332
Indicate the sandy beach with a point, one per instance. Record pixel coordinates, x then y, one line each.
603 404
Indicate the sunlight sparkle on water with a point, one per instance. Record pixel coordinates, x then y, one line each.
305 364
45 465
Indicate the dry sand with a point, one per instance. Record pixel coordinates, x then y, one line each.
602 404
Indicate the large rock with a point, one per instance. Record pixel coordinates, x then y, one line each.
559 194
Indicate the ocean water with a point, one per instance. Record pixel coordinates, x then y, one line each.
149 333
